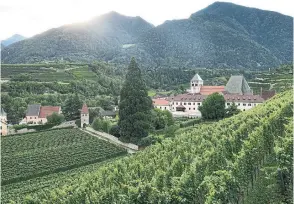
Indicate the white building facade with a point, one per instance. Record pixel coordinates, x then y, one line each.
162 104
186 105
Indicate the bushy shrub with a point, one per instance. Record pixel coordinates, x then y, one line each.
19 127
78 122
55 119
101 125
40 127
170 131
152 139
114 130
161 119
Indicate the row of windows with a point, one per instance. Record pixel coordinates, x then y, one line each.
244 104
189 108
186 103
161 107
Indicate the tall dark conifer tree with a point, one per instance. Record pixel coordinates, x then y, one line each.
134 107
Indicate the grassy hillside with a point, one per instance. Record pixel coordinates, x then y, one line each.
35 155
206 164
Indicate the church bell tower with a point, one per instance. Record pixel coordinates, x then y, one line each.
196 84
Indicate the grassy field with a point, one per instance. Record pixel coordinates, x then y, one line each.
35 156
84 72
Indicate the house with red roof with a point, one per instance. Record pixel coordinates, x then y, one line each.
162 104
37 114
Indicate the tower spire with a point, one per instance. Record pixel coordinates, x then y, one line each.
196 84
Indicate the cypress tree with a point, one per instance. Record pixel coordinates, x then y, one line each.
134 107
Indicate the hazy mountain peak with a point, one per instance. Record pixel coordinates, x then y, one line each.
13 39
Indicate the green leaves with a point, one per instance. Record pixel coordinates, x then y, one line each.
134 107
72 106
215 163
213 107
101 125
55 119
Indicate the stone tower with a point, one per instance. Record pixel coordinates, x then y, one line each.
84 115
196 84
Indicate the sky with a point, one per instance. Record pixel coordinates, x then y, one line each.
30 17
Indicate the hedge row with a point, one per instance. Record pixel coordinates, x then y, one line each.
190 123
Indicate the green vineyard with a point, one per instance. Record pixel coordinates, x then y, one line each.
222 163
33 155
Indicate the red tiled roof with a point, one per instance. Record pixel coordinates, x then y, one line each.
228 97
160 102
85 109
207 90
48 110
189 97
243 98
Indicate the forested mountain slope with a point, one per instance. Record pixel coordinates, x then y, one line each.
104 37
205 164
221 35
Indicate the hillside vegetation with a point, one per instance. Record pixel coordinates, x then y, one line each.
27 158
207 164
278 79
222 35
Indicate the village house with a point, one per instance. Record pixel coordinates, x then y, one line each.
3 117
236 91
37 114
106 114
161 103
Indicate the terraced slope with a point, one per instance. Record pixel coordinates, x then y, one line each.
206 164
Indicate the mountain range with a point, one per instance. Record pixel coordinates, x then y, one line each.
221 35
13 39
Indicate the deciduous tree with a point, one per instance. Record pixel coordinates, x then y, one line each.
55 119
72 107
213 107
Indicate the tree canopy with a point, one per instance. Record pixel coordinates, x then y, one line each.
213 107
55 119
135 106
72 106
